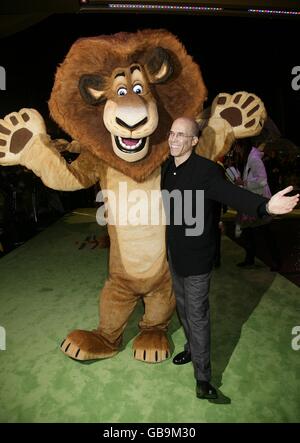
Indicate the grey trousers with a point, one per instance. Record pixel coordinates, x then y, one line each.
193 310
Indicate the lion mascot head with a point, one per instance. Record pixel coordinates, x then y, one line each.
118 95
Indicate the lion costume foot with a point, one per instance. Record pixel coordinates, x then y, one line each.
86 345
151 346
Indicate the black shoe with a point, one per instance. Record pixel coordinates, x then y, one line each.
182 358
205 390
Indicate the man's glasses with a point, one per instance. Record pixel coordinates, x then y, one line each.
179 135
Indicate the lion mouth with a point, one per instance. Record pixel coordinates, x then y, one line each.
130 145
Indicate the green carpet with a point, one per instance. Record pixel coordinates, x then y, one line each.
50 286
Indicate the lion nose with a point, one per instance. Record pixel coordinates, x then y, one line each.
132 114
131 126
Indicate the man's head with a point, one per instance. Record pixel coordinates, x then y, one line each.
183 137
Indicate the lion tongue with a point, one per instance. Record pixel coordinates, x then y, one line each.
129 141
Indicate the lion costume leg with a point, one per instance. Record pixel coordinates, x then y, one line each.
152 344
116 306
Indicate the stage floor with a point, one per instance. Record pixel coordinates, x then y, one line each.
50 285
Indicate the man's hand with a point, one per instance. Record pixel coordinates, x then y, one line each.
281 204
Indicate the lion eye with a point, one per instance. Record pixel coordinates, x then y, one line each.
137 89
122 91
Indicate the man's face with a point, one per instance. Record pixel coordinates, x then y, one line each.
181 139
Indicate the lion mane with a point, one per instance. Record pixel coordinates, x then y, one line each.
183 93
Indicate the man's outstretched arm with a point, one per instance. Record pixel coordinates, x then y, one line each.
247 202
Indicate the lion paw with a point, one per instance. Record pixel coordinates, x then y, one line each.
86 345
16 133
151 346
245 112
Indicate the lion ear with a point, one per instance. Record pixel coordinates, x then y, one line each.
158 65
92 89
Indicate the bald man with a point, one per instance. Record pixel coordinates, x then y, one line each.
192 186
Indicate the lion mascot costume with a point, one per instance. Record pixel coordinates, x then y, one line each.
117 97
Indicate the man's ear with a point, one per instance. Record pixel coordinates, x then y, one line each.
158 65
91 88
195 140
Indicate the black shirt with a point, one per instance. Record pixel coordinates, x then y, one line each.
198 185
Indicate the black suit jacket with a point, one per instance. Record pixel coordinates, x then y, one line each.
194 254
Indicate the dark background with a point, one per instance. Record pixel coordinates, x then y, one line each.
234 53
